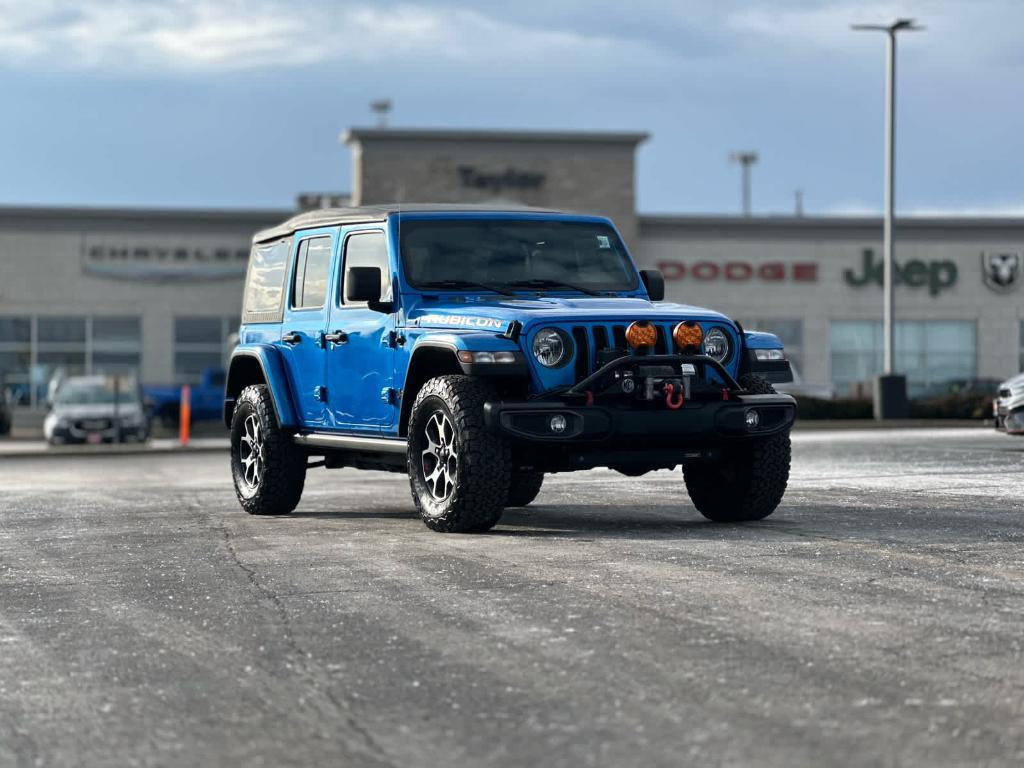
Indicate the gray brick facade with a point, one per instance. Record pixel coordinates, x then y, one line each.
591 172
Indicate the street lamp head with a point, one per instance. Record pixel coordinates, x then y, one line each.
900 25
746 157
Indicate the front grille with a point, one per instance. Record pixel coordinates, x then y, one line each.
591 338
93 425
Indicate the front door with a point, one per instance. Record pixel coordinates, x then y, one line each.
360 359
305 319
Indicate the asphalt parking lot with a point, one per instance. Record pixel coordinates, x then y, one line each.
876 619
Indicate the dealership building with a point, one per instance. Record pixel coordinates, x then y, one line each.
159 291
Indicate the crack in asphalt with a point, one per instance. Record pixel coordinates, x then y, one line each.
299 655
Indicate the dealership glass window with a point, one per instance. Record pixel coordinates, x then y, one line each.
931 353
36 351
15 358
790 331
200 343
116 345
1020 363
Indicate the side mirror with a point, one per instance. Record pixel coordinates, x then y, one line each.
363 284
654 282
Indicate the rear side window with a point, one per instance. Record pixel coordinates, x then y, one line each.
311 267
369 249
264 288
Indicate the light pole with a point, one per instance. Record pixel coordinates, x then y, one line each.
890 388
745 159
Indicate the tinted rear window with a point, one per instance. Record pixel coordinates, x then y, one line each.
264 289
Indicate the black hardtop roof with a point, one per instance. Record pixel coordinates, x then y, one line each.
329 217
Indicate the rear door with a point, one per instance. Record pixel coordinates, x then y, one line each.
360 366
305 318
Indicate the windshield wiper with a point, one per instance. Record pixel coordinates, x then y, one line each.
466 284
545 283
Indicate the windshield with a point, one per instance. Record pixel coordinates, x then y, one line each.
516 255
94 393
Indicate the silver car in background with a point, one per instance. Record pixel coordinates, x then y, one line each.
97 409
1008 406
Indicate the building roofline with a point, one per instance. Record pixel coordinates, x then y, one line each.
22 214
781 222
357 134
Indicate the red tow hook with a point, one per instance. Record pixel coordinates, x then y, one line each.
675 403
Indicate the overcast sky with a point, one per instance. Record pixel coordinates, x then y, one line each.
239 103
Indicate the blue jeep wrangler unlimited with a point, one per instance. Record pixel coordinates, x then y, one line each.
477 349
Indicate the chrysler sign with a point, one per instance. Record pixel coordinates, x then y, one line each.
159 259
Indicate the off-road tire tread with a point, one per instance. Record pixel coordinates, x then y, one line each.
524 488
755 495
284 470
484 473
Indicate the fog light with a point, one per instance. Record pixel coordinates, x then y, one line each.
641 334
752 419
688 335
558 424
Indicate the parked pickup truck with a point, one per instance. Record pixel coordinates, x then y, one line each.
207 398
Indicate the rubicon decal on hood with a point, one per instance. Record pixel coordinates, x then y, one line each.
464 321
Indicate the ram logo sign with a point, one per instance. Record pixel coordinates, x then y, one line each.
1001 269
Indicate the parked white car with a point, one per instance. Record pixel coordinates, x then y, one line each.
1008 406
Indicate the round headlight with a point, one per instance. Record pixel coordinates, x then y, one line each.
550 347
716 344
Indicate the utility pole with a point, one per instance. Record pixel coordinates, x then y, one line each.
746 159
798 203
890 388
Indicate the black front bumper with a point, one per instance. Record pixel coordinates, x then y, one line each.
696 423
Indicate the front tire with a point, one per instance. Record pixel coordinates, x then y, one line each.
269 470
459 471
749 480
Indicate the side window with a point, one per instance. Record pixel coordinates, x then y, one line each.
311 268
264 287
368 249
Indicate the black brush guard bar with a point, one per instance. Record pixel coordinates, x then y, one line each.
581 387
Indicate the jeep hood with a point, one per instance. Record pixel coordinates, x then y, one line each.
471 313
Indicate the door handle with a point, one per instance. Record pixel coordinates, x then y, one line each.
336 337
291 338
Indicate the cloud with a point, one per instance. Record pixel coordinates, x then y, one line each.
200 36
956 32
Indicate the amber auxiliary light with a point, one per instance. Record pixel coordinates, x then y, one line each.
641 334
688 335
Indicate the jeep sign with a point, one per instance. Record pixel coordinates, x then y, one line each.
937 275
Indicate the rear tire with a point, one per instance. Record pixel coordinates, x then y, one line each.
524 488
459 471
749 480
269 470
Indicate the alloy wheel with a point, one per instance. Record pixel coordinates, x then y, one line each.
439 461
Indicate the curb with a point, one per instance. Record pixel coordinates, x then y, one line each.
36 452
909 424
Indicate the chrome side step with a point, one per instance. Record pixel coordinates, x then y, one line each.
353 443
